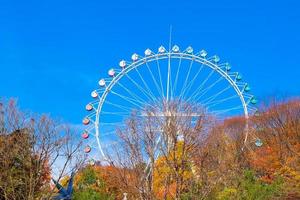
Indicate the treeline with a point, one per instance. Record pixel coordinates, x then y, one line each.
197 163
220 166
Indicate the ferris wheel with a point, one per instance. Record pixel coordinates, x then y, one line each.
162 76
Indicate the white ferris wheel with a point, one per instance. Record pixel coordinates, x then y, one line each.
162 76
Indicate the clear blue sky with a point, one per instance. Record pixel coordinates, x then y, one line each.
52 53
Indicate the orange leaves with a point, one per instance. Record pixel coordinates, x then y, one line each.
265 159
266 162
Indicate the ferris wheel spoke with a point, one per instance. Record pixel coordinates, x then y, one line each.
108 133
217 102
130 100
115 113
188 87
110 146
109 123
90 129
219 112
111 130
168 74
201 86
93 114
147 94
154 80
177 74
203 92
132 93
186 78
160 79
118 106
210 99
144 82
252 109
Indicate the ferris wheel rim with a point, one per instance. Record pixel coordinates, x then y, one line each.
141 60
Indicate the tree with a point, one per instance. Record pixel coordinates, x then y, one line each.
31 147
170 177
16 159
172 129
250 188
90 185
278 126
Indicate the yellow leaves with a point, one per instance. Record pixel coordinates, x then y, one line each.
227 193
290 174
64 180
291 179
172 172
211 173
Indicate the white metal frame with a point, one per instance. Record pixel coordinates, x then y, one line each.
219 68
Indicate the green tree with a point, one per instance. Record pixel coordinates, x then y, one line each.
250 187
89 185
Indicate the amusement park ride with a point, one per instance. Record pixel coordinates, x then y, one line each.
157 78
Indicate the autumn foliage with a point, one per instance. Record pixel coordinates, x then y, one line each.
279 127
197 163
221 165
